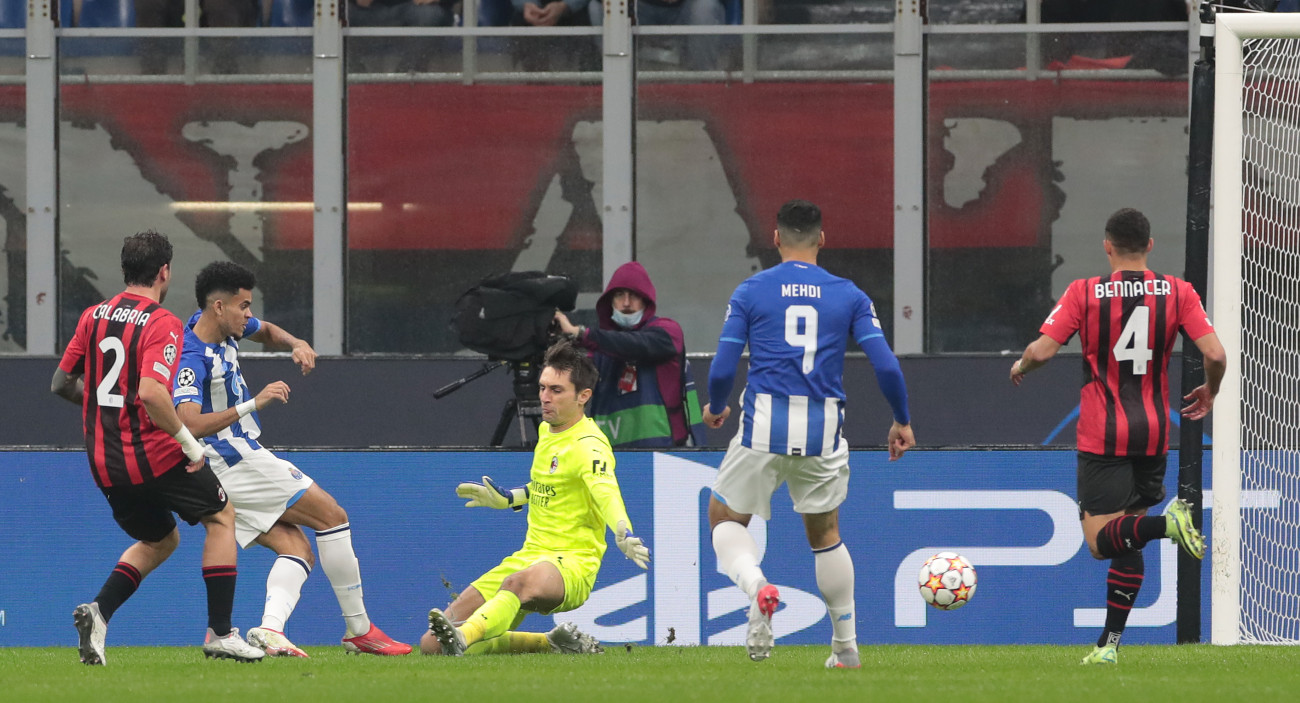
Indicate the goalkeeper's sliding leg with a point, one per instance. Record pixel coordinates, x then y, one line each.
473 624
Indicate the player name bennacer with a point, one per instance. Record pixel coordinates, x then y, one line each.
800 290
127 315
1131 289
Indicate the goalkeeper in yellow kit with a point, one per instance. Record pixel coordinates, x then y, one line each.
572 495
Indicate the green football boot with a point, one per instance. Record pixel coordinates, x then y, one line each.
1179 528
1102 655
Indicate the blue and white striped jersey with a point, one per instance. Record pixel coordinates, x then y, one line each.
209 375
797 320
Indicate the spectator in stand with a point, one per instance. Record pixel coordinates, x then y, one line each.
539 54
212 13
403 13
701 52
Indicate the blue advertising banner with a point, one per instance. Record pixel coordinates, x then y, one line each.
1011 513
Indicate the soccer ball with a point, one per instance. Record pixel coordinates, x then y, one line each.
947 581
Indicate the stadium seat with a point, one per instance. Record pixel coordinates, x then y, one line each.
292 13
494 13
735 11
66 13
106 13
13 14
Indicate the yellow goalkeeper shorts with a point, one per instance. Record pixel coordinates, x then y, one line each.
578 569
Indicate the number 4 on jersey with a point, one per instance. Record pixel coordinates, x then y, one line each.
1133 345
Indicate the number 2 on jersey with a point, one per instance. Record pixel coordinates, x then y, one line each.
104 394
807 315
1133 344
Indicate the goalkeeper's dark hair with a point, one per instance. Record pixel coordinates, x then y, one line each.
143 256
563 356
225 277
1128 231
800 223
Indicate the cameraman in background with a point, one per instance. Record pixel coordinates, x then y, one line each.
645 396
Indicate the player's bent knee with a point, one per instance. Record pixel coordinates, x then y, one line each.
165 546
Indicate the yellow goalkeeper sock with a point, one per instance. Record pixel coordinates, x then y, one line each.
492 619
513 643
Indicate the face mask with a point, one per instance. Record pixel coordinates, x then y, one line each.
627 321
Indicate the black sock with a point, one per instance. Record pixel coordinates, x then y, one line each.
1129 533
220 581
119 586
1123 582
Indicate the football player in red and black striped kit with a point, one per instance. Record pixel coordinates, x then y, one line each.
1127 323
119 368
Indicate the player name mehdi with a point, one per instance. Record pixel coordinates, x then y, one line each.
127 315
1131 289
800 290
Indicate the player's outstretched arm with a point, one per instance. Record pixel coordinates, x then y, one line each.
207 424
68 386
489 495
1036 354
157 403
722 376
275 338
1216 364
602 484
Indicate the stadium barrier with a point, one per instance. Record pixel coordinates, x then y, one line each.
1010 512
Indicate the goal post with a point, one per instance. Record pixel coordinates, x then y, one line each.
1255 587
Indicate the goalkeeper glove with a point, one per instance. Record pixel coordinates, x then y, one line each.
631 545
490 495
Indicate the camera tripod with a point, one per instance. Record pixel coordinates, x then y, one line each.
524 406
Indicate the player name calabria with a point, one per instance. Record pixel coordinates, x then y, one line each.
127 315
1131 289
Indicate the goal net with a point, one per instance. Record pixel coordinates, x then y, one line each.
1256 310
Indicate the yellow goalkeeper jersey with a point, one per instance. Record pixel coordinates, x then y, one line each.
573 494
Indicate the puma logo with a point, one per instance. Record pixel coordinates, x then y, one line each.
1129 596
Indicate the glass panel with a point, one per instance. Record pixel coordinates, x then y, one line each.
967 12
715 161
449 183
223 166
1021 177
13 189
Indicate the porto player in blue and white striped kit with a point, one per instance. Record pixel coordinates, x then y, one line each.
273 499
797 320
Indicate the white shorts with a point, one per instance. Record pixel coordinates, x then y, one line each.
261 486
748 478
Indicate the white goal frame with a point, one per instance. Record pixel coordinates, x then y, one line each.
1231 29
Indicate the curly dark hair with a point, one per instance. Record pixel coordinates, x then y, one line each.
226 277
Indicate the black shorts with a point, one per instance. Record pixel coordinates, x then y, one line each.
1115 484
144 511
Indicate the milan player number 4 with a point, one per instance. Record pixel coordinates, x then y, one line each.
1133 344
806 314
104 392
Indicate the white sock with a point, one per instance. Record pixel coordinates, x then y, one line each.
835 580
340 565
738 557
283 587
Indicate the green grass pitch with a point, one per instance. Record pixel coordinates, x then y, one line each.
961 674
